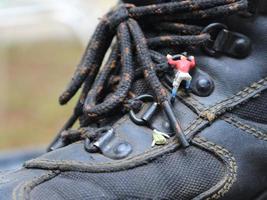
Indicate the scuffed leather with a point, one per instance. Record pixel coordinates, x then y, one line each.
140 137
230 76
251 156
11 182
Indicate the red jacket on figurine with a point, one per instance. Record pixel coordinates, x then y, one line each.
184 64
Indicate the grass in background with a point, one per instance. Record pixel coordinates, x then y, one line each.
36 74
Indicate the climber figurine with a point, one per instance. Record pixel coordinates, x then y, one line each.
182 65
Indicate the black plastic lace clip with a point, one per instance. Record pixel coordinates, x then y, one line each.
232 43
227 42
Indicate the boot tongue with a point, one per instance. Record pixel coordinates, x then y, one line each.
146 2
261 4
263 7
257 6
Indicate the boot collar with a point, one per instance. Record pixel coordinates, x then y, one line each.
263 7
145 2
257 6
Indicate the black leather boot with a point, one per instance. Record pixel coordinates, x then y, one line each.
132 142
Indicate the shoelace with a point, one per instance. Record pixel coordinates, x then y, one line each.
131 47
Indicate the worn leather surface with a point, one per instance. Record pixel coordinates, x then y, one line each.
230 76
263 7
10 181
138 136
250 153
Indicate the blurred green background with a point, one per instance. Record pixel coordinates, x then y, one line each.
41 43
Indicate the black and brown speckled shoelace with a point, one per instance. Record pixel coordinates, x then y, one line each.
132 46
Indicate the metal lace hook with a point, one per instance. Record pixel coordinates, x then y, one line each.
91 144
145 119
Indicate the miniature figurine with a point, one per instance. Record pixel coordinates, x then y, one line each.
159 138
182 66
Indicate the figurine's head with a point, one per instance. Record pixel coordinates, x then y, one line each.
183 57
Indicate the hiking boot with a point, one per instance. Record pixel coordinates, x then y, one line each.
133 142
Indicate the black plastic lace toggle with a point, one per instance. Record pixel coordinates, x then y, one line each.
232 43
226 42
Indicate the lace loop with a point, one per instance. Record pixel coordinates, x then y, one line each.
133 48
119 15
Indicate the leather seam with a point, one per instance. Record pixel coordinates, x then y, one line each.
201 106
245 127
243 93
211 112
189 101
22 191
223 187
114 166
197 105
100 167
150 154
192 126
215 192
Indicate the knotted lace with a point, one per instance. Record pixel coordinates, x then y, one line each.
121 30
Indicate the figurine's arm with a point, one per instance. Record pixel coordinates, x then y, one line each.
193 62
170 60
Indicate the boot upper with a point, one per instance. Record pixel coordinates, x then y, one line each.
227 130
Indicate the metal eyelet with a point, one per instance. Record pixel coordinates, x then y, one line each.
148 114
133 117
107 143
89 143
212 29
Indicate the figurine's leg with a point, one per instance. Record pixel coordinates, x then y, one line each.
173 95
188 79
187 84
176 83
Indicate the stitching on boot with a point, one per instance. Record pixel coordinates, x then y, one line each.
23 190
213 111
247 128
221 188
215 192
150 154
132 162
204 111
116 165
194 125
191 101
